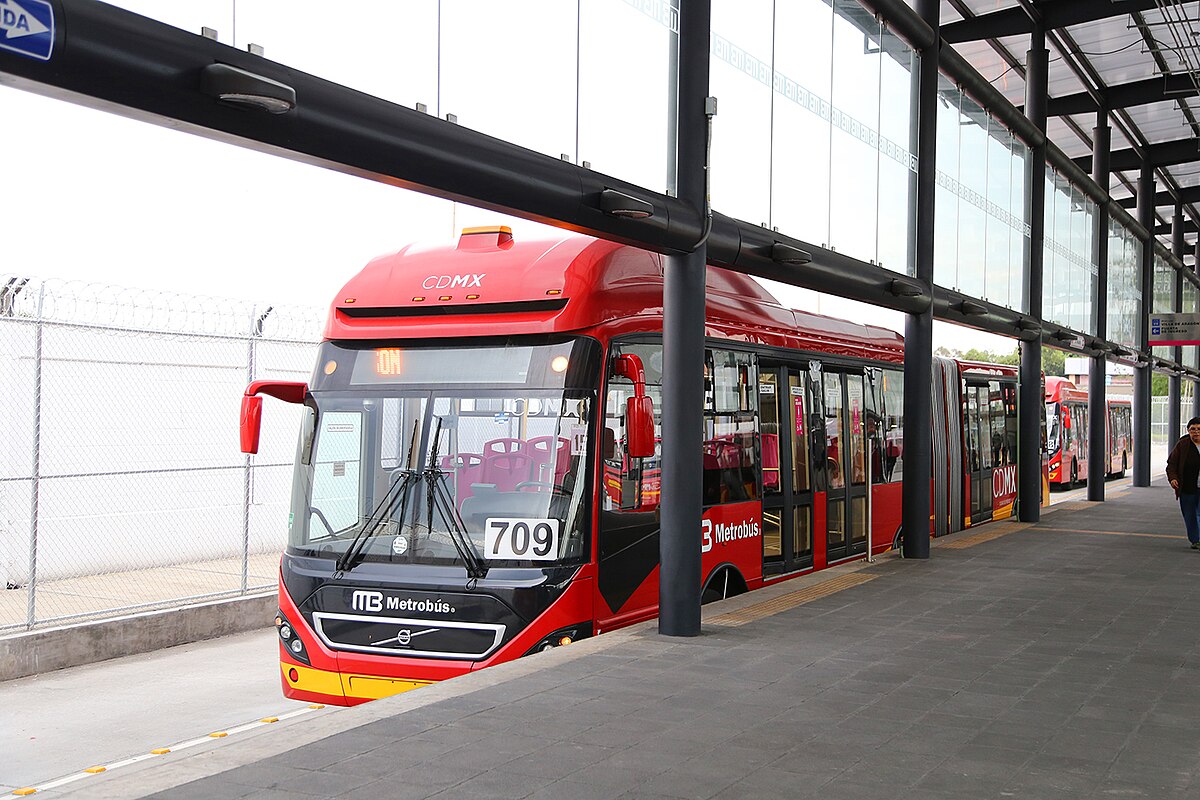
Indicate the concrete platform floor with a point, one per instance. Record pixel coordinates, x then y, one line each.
1058 660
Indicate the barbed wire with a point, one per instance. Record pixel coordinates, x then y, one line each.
136 310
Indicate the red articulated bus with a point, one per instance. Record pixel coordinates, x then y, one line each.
974 443
1067 433
477 476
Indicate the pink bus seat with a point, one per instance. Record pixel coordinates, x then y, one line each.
551 466
506 470
502 446
467 468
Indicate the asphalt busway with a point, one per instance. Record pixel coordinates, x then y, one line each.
1057 659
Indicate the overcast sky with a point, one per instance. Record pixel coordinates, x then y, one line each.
97 197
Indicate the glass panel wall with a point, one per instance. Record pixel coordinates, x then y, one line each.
1124 288
897 166
1191 305
981 238
812 134
740 77
854 139
1163 301
1069 274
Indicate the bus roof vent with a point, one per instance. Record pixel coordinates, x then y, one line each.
493 237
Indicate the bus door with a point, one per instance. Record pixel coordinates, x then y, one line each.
845 407
784 410
977 430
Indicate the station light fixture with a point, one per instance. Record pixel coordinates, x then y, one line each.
619 204
970 308
792 256
902 288
238 87
1066 337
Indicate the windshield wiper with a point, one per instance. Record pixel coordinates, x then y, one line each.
397 493
439 497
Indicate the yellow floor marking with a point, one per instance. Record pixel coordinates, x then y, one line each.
87 773
316 705
1112 533
791 600
979 538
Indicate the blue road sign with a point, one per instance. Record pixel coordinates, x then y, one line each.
27 28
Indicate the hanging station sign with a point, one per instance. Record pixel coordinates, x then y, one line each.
1174 329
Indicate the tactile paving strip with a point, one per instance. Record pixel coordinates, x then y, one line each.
768 608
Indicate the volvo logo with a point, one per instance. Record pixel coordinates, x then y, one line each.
404 636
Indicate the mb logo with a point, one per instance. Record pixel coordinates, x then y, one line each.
366 601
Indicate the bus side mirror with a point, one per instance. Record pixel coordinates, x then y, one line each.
639 409
251 417
639 424
251 422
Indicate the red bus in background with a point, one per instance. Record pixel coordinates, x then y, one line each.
974 443
478 472
1067 433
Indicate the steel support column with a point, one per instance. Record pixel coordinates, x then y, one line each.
1196 385
1031 401
683 344
1174 384
1141 375
918 327
1098 368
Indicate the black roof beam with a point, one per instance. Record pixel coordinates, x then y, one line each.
1189 226
1125 95
1054 14
1186 194
1160 154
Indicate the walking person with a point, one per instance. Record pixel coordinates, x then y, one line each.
1183 471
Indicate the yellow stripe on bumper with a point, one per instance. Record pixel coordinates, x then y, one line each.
365 687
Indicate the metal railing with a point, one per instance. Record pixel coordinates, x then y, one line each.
122 486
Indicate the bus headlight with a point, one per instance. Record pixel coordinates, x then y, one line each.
287 635
562 637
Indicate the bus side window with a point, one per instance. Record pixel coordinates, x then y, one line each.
731 448
631 484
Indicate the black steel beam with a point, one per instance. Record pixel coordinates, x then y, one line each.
1098 364
1054 14
1185 195
1141 375
1124 95
683 341
1168 228
903 20
1160 154
1030 400
918 325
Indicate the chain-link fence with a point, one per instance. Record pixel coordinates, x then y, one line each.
122 486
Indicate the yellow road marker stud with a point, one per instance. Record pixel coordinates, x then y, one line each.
160 751
95 770
316 705
24 792
219 734
269 719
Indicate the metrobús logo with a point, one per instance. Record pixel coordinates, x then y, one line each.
367 600
713 533
453 281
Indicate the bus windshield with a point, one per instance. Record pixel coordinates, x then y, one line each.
466 457
1052 427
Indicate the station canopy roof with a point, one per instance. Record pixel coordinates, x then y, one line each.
1138 58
